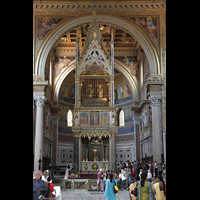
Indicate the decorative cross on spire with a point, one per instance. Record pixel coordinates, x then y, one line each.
94 3
94 10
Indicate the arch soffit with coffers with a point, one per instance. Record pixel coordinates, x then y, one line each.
118 65
131 27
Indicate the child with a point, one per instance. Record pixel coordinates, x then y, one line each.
149 175
50 185
140 173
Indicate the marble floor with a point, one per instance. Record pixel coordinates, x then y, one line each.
76 195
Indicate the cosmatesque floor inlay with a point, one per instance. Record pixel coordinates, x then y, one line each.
79 195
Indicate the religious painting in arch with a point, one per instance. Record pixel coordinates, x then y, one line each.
84 119
44 26
127 88
94 118
105 119
61 63
131 63
150 25
120 91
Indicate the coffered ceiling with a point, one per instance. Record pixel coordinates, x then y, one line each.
124 44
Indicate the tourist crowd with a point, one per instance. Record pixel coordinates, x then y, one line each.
145 181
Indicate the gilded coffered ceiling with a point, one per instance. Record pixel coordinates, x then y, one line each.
125 45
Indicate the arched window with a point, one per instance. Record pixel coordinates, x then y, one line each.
121 118
69 118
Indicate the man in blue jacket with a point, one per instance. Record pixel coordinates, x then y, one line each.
37 184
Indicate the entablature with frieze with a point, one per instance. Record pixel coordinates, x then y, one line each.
110 5
81 8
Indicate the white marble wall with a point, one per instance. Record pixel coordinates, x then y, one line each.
66 153
124 152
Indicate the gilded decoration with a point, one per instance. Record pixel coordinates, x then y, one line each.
45 12
86 167
94 133
95 166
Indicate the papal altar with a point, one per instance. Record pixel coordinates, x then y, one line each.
94 165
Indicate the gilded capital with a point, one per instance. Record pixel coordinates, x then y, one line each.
76 134
113 133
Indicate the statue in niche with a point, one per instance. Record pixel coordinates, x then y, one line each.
94 54
100 91
90 91
96 158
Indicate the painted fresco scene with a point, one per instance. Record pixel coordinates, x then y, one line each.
84 119
131 63
105 119
94 118
150 25
60 63
44 25
122 90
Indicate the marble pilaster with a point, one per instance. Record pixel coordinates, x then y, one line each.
112 151
156 137
136 119
80 152
38 151
76 151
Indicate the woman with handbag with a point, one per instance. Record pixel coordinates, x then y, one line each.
111 186
133 188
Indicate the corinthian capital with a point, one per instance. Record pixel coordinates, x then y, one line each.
136 119
40 101
155 100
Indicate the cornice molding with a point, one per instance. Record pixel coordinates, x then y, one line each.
65 6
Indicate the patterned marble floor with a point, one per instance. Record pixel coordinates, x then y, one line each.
68 195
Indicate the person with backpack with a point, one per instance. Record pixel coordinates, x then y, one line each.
110 184
50 186
99 180
133 188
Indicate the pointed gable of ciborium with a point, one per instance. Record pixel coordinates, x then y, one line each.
94 50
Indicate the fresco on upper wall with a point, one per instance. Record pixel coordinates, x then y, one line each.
105 119
44 25
150 25
127 88
84 120
120 91
94 118
67 91
60 63
131 63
